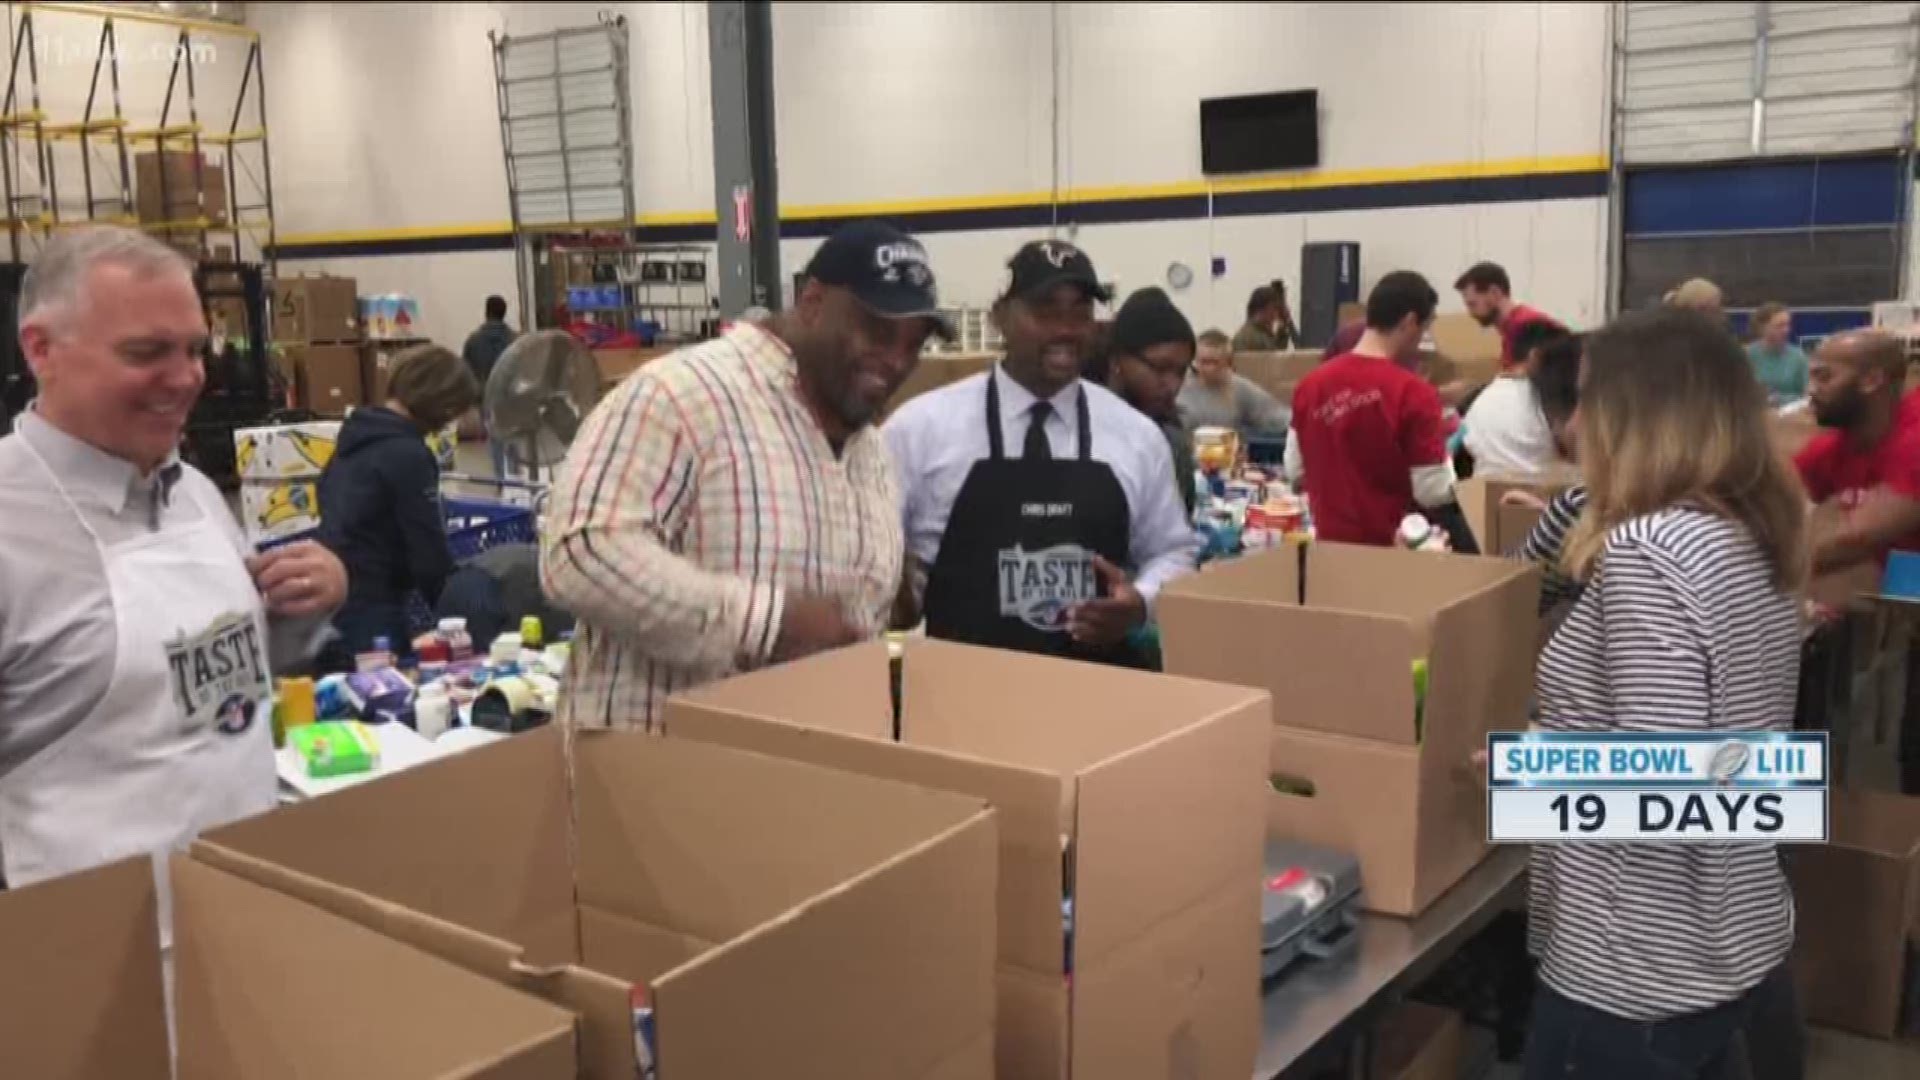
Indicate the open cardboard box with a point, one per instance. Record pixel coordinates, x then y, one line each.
265 986
1857 915
1278 373
781 919
1332 634
1150 786
1499 528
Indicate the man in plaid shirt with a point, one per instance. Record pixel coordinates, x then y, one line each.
729 505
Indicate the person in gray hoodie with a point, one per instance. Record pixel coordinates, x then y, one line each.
1214 395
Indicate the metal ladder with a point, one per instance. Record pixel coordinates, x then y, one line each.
566 134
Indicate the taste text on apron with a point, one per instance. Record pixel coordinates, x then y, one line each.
1018 549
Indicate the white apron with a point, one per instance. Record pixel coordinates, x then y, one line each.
181 741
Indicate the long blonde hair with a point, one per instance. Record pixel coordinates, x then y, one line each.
1671 414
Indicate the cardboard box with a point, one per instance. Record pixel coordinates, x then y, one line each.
938 370
167 187
1278 373
1499 528
264 986
1857 915
328 378
319 308
1419 1042
781 919
1332 634
1147 788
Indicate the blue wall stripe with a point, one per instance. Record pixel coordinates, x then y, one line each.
1585 184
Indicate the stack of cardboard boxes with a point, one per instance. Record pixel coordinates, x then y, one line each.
1358 762
182 190
316 322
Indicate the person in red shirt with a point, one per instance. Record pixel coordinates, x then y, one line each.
1867 458
1488 294
1367 433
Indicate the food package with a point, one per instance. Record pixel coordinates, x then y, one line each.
335 748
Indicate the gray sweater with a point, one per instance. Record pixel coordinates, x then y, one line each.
1244 407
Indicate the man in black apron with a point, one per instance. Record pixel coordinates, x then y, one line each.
1026 490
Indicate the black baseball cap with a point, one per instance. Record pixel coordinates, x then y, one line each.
883 268
1041 264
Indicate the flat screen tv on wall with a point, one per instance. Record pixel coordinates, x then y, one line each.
1260 132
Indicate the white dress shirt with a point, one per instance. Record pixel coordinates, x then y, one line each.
56 614
937 437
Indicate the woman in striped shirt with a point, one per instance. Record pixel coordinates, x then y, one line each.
1669 959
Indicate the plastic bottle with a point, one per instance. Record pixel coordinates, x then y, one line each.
293 706
432 710
376 658
505 650
453 631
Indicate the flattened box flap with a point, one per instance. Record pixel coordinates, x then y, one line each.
1058 715
479 839
824 984
712 842
265 980
1029 801
80 993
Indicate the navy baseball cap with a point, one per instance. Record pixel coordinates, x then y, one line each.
885 269
1041 264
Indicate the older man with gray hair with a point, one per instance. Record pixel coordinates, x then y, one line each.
138 631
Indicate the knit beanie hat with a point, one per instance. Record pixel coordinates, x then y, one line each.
1148 318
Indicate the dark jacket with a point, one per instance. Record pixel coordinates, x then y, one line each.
484 346
380 511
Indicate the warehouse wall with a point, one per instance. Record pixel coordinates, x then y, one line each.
973 122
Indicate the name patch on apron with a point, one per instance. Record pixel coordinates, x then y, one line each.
219 674
1037 587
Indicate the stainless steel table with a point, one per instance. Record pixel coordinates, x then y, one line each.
1320 1007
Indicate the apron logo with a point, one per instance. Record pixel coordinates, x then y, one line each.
1038 587
235 715
219 674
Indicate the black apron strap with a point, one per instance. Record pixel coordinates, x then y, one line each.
996 445
1086 426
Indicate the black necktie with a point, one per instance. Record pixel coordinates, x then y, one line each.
1037 447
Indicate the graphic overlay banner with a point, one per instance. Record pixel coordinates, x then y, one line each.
1558 787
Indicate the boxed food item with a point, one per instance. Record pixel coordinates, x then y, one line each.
390 316
316 308
263 985
179 186
1363 759
285 452
277 509
1131 848
712 913
1856 898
